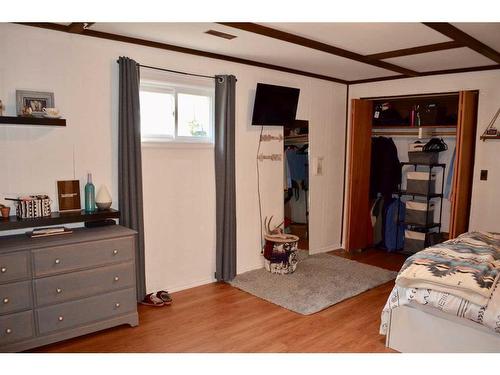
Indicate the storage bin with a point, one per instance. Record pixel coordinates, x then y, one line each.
419 183
416 213
421 157
281 254
414 241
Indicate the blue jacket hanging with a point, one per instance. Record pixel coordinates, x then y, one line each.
394 237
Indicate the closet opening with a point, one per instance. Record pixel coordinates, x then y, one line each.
410 170
296 181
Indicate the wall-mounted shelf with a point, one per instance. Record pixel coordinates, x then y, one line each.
40 121
490 126
57 218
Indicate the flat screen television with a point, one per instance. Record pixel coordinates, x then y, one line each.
275 105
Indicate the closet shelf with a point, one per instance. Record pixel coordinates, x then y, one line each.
409 127
442 165
428 226
432 195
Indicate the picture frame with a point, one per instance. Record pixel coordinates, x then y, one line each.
68 195
36 100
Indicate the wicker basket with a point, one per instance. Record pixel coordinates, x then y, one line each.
33 206
280 253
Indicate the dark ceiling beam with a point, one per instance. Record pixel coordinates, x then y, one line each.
190 51
416 50
78 27
319 46
459 36
430 73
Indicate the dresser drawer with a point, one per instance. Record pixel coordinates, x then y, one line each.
16 327
56 289
82 255
15 297
14 266
88 310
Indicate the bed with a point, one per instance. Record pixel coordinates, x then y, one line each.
447 298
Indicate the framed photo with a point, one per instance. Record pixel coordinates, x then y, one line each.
36 100
68 194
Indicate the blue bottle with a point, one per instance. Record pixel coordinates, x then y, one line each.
89 195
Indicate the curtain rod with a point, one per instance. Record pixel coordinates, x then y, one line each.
173 71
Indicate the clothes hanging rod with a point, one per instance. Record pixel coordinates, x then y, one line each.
174 71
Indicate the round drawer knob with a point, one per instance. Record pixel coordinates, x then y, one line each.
5 300
59 290
57 261
8 331
116 278
61 318
117 305
115 252
3 269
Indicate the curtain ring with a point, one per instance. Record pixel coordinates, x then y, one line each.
220 79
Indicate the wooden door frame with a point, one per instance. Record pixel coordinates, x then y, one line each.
460 185
350 203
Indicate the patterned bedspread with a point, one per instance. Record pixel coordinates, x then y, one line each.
467 267
458 277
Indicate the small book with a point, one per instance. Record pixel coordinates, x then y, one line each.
45 232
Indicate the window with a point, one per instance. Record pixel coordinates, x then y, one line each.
176 113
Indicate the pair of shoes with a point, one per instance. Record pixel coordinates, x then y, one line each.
157 299
164 296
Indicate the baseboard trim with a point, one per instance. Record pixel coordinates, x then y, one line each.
325 249
179 288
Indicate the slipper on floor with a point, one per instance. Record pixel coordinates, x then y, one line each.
164 296
152 300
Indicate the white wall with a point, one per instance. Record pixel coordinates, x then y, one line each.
485 203
180 230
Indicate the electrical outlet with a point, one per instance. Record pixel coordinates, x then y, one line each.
484 175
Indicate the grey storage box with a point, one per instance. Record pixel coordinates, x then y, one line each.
419 183
420 157
414 241
417 213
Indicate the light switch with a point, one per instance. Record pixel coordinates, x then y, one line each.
318 166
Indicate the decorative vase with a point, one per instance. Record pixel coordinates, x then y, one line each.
89 195
103 199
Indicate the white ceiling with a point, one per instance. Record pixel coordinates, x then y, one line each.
362 38
365 38
488 33
440 60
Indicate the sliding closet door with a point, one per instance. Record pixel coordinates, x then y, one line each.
358 202
464 165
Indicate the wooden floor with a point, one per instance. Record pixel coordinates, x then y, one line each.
220 318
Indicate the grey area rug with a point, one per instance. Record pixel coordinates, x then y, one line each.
319 281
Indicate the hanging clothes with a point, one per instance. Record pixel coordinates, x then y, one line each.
394 232
385 168
297 162
298 170
377 216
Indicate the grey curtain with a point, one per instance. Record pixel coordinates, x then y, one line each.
129 162
225 184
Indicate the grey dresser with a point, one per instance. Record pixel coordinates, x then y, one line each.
55 288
